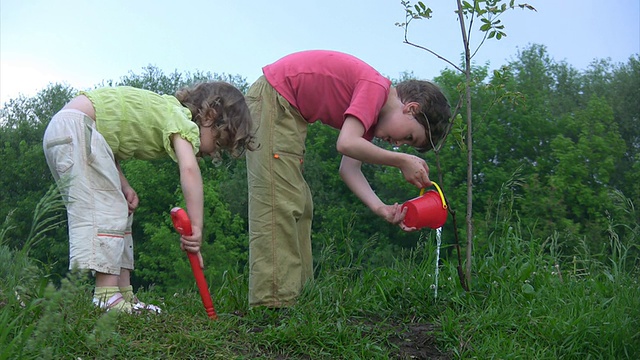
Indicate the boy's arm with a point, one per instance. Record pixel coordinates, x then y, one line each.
191 182
352 144
351 173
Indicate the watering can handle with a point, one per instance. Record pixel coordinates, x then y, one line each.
444 203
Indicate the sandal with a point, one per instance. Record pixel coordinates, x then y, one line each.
118 303
139 306
115 303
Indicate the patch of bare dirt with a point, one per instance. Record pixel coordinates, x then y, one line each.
411 340
416 341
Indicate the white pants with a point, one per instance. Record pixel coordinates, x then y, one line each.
83 165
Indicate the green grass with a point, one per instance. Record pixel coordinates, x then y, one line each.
527 301
519 308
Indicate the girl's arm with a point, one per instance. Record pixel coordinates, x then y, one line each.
191 182
129 193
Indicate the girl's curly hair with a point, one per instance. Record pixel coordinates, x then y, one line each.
222 105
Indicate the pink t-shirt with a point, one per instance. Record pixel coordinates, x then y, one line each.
327 86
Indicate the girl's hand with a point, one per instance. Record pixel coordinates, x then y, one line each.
131 196
192 242
200 260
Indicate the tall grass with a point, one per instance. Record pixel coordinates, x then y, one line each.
532 299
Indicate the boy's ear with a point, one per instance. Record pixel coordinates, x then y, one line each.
411 108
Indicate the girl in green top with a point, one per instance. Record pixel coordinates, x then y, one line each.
84 144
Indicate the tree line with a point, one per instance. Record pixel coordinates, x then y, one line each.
556 158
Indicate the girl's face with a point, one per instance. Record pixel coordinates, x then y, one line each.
208 145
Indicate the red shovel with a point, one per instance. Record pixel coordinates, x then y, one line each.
182 224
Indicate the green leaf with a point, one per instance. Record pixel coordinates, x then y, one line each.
525 271
528 289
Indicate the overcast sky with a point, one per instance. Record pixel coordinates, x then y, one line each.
83 42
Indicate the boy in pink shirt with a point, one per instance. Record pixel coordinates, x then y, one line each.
343 92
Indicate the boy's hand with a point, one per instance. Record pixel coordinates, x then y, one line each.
415 171
392 213
395 214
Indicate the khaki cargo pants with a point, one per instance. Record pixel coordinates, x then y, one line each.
280 205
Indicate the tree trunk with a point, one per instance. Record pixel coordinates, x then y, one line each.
469 217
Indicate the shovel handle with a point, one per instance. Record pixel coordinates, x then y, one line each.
182 224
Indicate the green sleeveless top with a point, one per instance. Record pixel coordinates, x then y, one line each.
138 123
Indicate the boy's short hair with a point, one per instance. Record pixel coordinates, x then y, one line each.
434 113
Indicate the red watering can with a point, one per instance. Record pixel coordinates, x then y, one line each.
427 210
